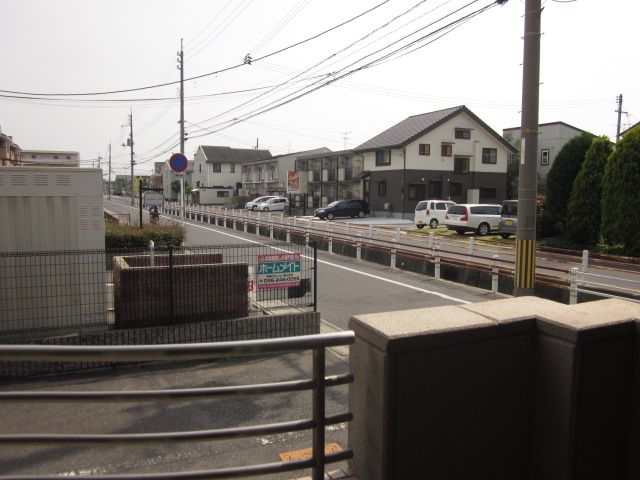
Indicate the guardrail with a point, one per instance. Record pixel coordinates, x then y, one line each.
190 352
388 239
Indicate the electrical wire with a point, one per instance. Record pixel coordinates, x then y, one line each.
284 101
226 69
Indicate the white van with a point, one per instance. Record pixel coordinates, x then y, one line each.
431 212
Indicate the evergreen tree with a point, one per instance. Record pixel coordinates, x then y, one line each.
560 179
582 224
620 199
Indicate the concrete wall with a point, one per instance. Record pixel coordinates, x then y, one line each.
521 388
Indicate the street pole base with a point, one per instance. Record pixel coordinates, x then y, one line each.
523 292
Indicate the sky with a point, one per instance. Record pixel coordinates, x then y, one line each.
312 95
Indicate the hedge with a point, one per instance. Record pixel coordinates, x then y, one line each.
121 237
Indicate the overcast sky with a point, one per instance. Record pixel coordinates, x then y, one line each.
589 56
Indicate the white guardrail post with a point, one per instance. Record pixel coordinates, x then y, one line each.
152 247
330 240
470 245
430 240
370 230
573 286
494 274
306 236
359 248
288 232
585 263
270 228
393 254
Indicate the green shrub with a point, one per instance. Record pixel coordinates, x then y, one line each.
582 225
560 179
122 237
620 226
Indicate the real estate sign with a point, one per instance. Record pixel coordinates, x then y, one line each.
278 270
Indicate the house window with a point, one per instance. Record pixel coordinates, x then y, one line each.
455 189
461 164
416 191
232 168
463 133
544 157
198 184
446 150
487 193
200 168
383 157
222 194
216 167
435 189
68 157
489 155
55 157
382 188
424 149
33 156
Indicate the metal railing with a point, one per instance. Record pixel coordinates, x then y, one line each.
203 351
471 255
61 292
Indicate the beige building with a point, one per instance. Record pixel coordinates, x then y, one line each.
10 152
50 158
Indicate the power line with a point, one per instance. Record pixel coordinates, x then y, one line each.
226 69
283 100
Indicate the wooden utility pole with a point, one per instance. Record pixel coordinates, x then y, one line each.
130 142
527 191
109 185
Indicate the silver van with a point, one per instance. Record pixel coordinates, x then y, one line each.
508 219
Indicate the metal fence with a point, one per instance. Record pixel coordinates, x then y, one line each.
316 384
56 293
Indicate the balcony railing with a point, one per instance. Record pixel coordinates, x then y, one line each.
190 352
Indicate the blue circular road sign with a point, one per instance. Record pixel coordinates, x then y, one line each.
178 162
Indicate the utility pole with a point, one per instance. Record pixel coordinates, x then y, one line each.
619 110
527 203
109 185
130 144
181 68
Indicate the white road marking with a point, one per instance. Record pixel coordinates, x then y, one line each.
348 269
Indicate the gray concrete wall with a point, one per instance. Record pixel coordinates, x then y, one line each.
508 389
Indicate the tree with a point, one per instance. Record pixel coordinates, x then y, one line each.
560 179
175 187
513 168
620 200
582 224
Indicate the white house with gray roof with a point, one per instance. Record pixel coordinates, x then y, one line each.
446 154
217 172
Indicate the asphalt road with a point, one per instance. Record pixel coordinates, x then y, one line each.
346 287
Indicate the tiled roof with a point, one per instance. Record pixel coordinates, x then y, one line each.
414 127
403 132
233 155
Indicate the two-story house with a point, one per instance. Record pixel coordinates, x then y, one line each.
269 176
51 158
217 172
446 154
551 138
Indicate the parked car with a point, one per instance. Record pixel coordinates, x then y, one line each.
431 212
253 204
343 208
274 204
479 218
508 219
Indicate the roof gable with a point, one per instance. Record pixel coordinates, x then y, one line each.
233 155
415 126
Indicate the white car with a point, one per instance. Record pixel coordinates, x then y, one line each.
431 212
253 204
273 205
479 218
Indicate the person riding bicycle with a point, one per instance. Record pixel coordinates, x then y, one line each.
154 214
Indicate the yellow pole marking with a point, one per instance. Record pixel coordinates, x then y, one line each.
526 263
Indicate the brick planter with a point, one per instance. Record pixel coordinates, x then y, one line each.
197 287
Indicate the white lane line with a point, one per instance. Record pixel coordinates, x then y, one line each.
353 270
348 269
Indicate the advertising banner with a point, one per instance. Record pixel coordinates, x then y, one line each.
293 181
278 270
